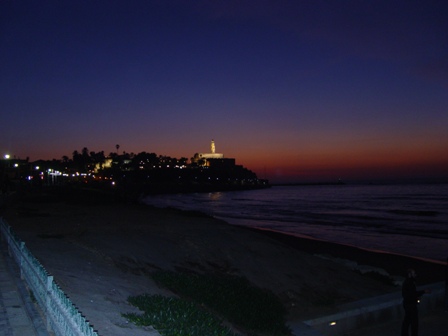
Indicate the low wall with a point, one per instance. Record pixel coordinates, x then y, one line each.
373 311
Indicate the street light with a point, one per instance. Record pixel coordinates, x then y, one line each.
7 156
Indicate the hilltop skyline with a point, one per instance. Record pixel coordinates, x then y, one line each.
295 91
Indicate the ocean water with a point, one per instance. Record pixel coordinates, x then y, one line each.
404 219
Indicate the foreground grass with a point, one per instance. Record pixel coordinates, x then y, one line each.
234 299
175 317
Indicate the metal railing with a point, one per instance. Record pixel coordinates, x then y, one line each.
62 317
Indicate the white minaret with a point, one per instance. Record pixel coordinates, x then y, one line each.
212 147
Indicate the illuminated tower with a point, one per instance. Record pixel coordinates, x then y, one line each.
207 156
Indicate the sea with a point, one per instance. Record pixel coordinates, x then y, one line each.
409 220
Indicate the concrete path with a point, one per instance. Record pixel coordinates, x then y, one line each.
18 315
379 316
433 323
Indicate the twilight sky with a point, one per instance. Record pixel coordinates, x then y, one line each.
294 90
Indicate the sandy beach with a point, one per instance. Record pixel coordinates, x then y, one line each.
101 250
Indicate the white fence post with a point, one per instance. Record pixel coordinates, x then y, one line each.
22 247
48 302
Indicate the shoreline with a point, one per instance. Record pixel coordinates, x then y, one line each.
372 222
430 271
396 265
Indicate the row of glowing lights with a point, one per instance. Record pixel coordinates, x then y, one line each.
51 171
58 173
7 157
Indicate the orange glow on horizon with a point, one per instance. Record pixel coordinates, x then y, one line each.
365 164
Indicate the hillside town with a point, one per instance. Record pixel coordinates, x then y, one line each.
142 173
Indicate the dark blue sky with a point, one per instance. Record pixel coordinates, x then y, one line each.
291 89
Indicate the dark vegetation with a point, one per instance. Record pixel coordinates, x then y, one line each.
205 301
175 317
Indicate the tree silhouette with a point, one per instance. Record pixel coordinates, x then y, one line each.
98 159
